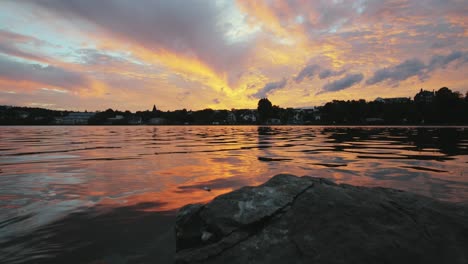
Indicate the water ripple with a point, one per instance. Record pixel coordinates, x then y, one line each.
73 207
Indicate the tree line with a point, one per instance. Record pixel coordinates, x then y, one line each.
443 106
440 107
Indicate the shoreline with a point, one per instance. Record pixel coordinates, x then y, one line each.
244 125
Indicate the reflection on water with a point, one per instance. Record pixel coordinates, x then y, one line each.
108 194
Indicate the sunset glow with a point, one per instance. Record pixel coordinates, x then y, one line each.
94 55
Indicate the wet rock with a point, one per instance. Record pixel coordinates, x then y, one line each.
293 219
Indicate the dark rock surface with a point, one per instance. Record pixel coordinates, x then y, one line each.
293 219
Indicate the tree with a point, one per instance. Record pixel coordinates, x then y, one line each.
265 110
447 104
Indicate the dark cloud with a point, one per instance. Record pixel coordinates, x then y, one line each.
262 93
95 57
47 75
400 72
187 27
441 43
343 83
440 61
9 41
311 70
11 50
307 72
326 73
415 67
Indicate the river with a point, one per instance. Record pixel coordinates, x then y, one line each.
108 194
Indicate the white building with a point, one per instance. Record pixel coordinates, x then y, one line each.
76 118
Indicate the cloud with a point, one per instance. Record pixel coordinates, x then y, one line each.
400 72
162 48
11 50
343 83
415 67
94 57
326 73
188 28
46 75
9 45
262 93
440 61
19 38
310 70
307 72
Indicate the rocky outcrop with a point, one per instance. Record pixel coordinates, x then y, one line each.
293 219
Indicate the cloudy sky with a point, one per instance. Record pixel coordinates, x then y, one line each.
195 54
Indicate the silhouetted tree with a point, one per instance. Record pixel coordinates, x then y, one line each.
265 110
448 103
204 116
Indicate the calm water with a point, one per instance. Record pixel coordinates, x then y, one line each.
108 194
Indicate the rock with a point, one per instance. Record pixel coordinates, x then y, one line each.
293 219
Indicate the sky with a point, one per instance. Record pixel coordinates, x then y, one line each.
219 54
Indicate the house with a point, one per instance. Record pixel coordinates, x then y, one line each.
392 100
23 114
157 121
398 100
231 118
116 118
273 121
249 117
137 120
75 118
424 96
379 100
318 116
297 117
374 120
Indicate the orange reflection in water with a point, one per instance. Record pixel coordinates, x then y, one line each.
184 184
170 166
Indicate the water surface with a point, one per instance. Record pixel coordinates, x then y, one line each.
108 194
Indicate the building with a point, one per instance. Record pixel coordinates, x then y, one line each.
379 100
116 118
393 100
137 120
157 121
298 116
424 96
374 120
249 117
75 118
273 121
231 118
317 116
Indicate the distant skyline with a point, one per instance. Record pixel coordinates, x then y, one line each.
129 55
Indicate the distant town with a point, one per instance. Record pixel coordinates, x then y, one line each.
441 107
